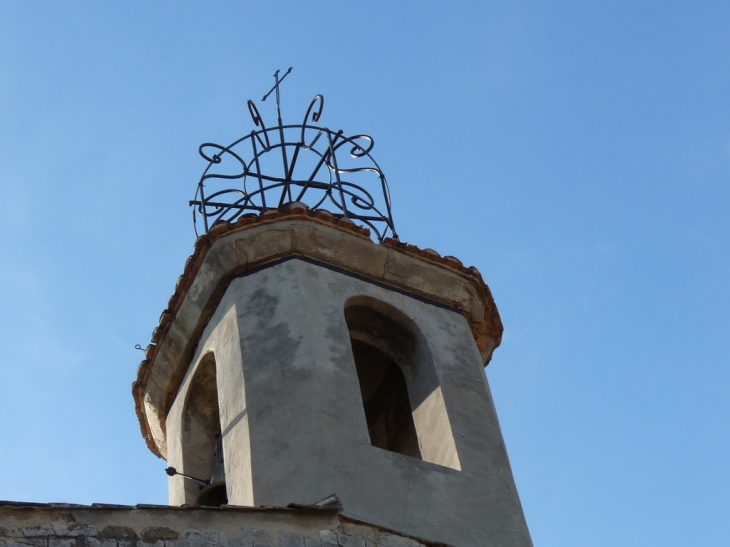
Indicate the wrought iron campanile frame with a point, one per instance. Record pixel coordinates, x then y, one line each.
325 181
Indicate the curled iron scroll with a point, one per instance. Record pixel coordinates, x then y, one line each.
258 122
323 180
315 118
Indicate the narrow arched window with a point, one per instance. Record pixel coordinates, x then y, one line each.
202 448
383 349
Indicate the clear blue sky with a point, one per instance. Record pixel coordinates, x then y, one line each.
577 153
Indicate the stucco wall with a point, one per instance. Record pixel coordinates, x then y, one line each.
294 385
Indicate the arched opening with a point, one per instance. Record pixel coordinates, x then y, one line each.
202 447
383 349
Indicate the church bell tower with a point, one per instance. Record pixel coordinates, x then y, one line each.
307 354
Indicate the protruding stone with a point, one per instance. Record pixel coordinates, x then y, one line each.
297 207
218 229
189 263
346 222
172 302
202 242
453 261
245 220
323 214
165 317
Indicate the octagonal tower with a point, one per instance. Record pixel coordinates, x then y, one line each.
299 359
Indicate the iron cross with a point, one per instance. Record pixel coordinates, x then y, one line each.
276 87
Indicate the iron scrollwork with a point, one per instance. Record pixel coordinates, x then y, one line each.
306 163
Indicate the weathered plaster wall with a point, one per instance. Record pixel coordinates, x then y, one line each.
295 382
74 526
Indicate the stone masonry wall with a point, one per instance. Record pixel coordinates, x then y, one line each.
58 525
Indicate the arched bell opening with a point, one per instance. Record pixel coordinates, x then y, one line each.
202 443
383 348
401 391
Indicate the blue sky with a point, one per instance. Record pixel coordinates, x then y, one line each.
577 153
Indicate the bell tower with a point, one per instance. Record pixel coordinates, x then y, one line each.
307 352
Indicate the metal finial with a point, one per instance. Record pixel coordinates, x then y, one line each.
315 169
284 157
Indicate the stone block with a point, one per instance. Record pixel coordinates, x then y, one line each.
398 541
328 537
257 535
200 537
117 532
38 531
429 279
264 245
152 533
288 539
234 540
349 541
94 542
35 542
23 542
73 529
340 249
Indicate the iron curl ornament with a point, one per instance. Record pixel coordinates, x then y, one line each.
307 163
